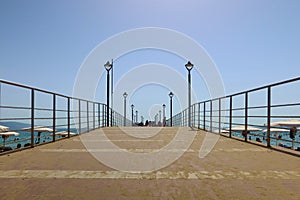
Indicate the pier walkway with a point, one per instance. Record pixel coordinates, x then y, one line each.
232 170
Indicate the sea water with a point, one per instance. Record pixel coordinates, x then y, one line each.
275 141
25 138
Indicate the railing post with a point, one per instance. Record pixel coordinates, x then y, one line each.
87 116
199 115
103 115
54 117
187 117
182 117
194 114
171 112
32 118
93 115
79 115
211 110
113 121
98 115
204 114
0 98
230 117
111 117
246 116
220 115
69 117
269 118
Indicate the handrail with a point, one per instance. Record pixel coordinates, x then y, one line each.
85 116
44 91
214 114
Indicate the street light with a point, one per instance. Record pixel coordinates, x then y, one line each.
125 96
189 66
136 115
171 96
164 115
132 107
159 118
142 120
155 119
108 67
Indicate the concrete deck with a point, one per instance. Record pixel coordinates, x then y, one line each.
232 170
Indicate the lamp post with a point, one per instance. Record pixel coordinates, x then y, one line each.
189 66
125 96
171 96
159 117
132 107
108 67
164 115
136 116
112 94
142 120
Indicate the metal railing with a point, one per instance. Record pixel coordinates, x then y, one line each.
251 114
36 116
62 116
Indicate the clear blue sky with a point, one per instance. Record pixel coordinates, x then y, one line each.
253 43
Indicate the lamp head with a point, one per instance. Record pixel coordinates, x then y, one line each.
125 95
171 95
107 66
132 106
189 66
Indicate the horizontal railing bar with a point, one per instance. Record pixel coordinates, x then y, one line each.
42 118
30 88
16 107
13 118
47 92
284 116
61 125
238 109
257 116
285 105
251 90
257 107
43 109
61 118
61 110
263 87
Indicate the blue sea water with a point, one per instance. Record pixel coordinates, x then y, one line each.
25 138
285 140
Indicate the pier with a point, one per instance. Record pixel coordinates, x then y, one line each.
166 100
232 170
65 148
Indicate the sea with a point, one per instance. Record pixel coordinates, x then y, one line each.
277 139
24 137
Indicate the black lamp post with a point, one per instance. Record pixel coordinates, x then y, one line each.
159 116
136 116
142 120
108 67
132 107
164 115
125 96
189 66
171 96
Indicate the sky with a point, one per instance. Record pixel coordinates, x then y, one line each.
252 43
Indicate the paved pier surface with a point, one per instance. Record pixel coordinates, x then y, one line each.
232 170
